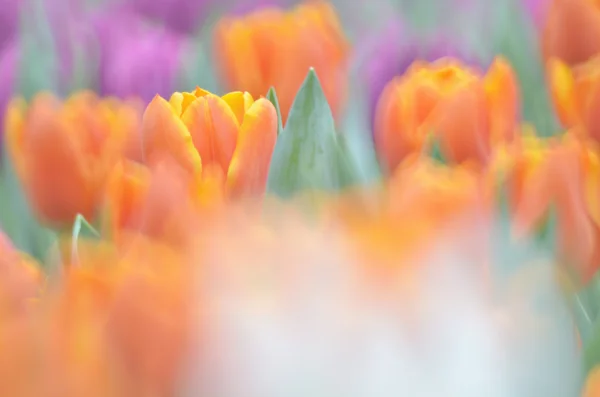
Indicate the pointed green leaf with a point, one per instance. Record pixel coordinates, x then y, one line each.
306 154
272 97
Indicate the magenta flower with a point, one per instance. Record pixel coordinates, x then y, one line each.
137 59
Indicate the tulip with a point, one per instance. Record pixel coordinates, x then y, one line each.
233 135
181 16
135 59
571 31
271 47
592 384
576 94
558 175
151 338
63 152
466 112
392 50
9 21
160 203
21 279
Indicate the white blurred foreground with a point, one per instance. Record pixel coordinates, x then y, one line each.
291 316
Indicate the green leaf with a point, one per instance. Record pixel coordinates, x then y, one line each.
307 154
546 236
81 229
272 97
435 151
38 62
16 218
357 140
516 39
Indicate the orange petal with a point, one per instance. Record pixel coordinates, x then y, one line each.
239 102
592 384
395 130
502 93
58 179
562 86
214 128
165 136
14 125
236 54
250 164
462 125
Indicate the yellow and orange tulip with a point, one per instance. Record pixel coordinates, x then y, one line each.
468 113
559 175
233 135
63 152
274 48
576 94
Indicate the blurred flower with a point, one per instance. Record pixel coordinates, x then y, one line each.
233 135
150 324
537 10
181 16
390 51
63 152
271 47
466 112
9 62
159 203
592 384
572 30
21 281
9 21
556 175
136 59
576 94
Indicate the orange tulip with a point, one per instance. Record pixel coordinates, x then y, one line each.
421 200
273 48
21 280
162 203
63 152
572 31
233 135
466 112
592 384
558 175
576 94
150 322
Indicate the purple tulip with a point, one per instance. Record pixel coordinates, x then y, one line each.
9 62
536 9
136 59
181 16
9 21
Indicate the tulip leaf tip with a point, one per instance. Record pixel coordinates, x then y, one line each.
306 155
272 97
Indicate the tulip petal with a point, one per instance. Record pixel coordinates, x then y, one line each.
501 89
250 163
14 125
562 84
214 129
461 124
393 121
239 102
180 101
165 136
58 178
